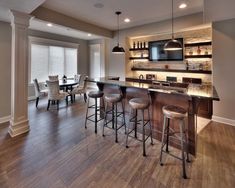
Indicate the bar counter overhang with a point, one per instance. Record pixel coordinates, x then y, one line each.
189 99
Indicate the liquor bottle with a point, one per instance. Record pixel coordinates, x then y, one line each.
64 78
138 44
144 45
206 52
134 45
141 45
198 50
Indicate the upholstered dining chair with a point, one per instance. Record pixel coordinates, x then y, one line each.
54 93
38 92
53 78
77 77
81 88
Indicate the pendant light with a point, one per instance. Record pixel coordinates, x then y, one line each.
172 44
118 49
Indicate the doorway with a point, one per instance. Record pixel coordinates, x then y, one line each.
95 61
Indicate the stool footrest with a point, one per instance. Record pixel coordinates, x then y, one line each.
172 135
138 138
93 115
94 120
172 155
117 128
118 113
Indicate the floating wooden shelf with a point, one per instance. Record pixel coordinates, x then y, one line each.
171 70
133 58
138 49
198 44
198 56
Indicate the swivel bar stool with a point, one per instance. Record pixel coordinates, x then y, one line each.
95 95
113 100
172 112
142 105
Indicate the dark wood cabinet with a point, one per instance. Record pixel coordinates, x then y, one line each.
205 108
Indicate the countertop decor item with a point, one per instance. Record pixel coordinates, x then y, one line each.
118 49
172 44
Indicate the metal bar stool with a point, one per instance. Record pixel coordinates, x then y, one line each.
95 95
142 105
114 99
171 112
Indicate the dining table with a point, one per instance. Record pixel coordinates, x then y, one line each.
68 84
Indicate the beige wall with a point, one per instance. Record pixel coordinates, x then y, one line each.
5 69
116 65
223 37
217 10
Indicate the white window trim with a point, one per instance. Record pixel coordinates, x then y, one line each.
48 42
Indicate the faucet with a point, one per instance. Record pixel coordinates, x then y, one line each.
141 76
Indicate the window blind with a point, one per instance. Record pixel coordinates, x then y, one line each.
52 60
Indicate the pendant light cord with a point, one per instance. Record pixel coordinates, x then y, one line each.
172 20
118 28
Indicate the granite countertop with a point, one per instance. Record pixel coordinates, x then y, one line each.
193 90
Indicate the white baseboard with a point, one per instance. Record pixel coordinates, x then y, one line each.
223 120
5 119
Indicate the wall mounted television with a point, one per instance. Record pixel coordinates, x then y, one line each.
157 52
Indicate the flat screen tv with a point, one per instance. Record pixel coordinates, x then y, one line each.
157 52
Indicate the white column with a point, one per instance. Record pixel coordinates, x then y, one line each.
19 123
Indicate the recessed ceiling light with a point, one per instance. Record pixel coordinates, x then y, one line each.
182 5
49 25
89 35
127 20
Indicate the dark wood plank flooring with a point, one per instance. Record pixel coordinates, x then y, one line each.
58 152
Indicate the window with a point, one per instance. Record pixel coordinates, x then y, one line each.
52 60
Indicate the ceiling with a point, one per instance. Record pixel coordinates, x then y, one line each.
139 11
61 30
26 6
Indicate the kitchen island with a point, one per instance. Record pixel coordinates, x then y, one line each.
190 98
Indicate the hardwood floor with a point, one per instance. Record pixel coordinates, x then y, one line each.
58 152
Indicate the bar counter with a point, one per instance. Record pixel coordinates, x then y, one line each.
193 98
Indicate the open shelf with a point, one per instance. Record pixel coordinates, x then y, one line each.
198 44
133 58
138 49
198 56
171 70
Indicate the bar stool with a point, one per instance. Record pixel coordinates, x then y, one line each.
172 112
114 99
142 105
95 95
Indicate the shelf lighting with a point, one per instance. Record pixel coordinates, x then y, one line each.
49 24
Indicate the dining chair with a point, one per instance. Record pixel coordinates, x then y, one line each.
38 92
81 88
53 77
77 78
54 93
